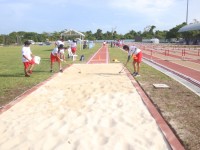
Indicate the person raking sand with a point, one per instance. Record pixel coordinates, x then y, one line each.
136 55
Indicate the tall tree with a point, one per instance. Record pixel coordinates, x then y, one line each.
173 33
99 34
130 35
89 35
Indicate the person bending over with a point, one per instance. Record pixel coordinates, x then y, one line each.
136 55
27 59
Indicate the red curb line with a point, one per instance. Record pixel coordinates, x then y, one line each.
167 132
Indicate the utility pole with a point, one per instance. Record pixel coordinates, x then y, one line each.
113 29
187 12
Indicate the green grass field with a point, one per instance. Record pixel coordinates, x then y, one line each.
12 80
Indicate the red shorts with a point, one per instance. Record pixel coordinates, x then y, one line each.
28 63
54 58
138 57
73 50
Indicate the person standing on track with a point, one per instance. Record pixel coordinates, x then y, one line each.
27 58
136 54
104 43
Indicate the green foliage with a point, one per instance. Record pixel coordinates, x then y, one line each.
160 34
148 33
89 35
99 35
130 35
173 33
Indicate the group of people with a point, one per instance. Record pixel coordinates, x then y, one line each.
57 55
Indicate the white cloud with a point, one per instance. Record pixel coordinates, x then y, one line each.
147 7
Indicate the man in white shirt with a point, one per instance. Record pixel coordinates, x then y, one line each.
55 57
59 42
73 47
27 59
136 55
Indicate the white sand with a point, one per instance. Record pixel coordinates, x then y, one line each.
98 109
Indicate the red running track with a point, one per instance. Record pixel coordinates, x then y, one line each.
194 74
100 57
168 53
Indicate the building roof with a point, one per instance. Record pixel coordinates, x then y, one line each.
190 27
72 33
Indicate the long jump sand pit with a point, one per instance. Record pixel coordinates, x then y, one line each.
97 109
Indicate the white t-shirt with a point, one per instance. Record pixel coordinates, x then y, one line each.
55 51
26 51
73 44
59 42
133 50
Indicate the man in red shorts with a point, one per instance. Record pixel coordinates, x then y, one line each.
27 59
73 47
55 57
136 54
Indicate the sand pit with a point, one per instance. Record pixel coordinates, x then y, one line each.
97 109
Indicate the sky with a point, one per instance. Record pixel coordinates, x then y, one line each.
89 15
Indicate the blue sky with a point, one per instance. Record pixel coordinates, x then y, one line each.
89 15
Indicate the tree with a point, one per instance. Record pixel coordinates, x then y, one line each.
151 29
148 32
173 33
99 34
130 35
107 35
160 34
89 35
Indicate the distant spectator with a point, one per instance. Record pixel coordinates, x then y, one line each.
73 46
104 43
111 44
84 44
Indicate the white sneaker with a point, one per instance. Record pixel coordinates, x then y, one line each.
136 75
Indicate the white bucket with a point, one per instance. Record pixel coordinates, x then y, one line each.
37 59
